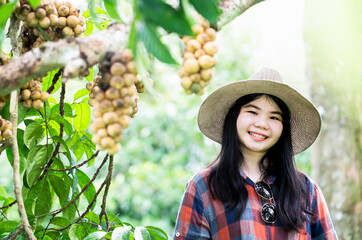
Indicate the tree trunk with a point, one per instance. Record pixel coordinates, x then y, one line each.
334 52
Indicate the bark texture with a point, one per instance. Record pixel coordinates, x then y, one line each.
75 55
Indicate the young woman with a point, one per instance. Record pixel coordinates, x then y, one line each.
253 189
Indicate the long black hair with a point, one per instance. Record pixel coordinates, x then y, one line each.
290 186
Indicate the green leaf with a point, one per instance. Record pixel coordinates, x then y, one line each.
132 42
121 233
91 74
48 79
91 216
5 13
77 231
96 235
60 120
60 187
78 150
83 116
165 16
141 233
61 222
3 193
157 233
65 146
111 7
34 133
113 219
97 11
43 202
151 39
208 9
34 3
37 157
81 93
7 226
83 180
21 113
68 112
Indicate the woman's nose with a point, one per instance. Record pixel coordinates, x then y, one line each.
261 122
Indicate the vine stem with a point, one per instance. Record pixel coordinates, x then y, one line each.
104 201
16 165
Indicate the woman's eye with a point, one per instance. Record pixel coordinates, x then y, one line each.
252 112
275 118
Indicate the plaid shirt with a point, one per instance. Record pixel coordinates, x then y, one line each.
202 217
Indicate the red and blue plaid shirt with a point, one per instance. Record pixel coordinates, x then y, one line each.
202 217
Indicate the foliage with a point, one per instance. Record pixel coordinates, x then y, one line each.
54 143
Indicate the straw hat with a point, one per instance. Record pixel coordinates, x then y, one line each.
305 121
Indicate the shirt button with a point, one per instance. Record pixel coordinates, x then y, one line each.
177 234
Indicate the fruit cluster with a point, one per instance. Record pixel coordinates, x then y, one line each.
4 59
31 95
114 97
5 129
56 19
198 58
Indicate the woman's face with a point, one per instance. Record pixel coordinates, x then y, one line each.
259 126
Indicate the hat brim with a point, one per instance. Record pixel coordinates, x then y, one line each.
305 121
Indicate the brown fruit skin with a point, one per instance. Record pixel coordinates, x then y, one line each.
125 120
35 95
40 13
45 22
186 82
206 61
112 93
107 142
38 104
199 53
117 82
7 133
127 55
78 30
25 94
90 86
114 129
118 69
188 55
206 74
115 149
62 22
81 20
72 21
28 103
197 29
210 48
63 11
31 19
96 139
211 33
191 66
131 67
44 96
67 32
74 11
202 38
129 79
192 45
54 20
110 117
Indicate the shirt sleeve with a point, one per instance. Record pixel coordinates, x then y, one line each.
191 222
321 223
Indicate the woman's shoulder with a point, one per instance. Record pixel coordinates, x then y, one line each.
200 179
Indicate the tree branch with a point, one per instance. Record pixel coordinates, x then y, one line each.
75 55
232 9
16 165
55 80
104 201
9 205
74 167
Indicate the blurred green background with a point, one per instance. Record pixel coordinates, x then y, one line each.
317 48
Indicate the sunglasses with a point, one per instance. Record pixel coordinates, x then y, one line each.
268 211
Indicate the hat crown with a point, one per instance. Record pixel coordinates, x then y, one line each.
267 74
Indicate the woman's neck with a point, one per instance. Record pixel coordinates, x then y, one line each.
251 167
